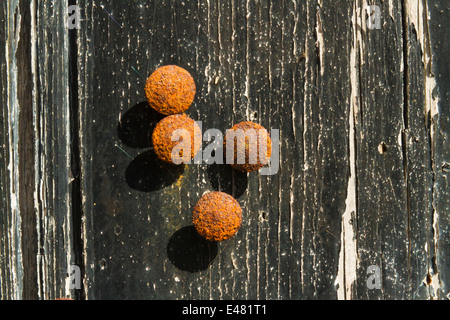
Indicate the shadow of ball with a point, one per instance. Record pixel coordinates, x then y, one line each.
188 251
136 126
147 173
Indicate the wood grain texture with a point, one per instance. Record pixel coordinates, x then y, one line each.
382 214
10 288
439 68
56 176
246 67
12 257
36 178
363 119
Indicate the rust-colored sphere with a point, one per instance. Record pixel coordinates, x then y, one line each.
254 159
217 216
170 90
168 129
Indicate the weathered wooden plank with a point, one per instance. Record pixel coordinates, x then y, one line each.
326 144
36 230
54 151
417 144
439 116
25 151
395 216
15 222
10 265
381 220
247 65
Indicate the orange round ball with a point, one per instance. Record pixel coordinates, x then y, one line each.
250 147
165 131
217 216
170 90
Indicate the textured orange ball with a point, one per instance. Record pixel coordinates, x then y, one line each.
254 160
217 216
170 90
166 131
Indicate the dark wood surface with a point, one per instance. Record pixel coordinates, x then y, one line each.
363 116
